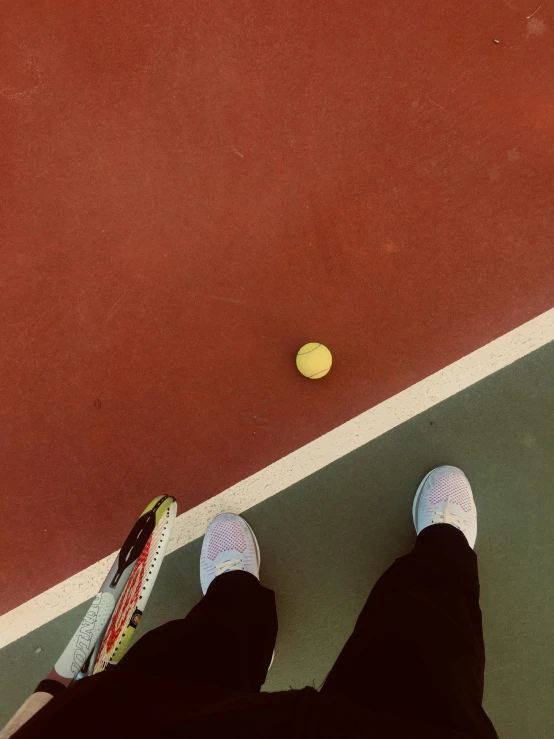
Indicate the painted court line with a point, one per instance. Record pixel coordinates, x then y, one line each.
296 466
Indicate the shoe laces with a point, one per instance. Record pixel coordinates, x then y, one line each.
228 565
447 517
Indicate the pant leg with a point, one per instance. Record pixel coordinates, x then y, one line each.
417 649
227 639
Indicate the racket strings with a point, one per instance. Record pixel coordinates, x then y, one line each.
125 615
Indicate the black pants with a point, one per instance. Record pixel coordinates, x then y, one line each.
416 652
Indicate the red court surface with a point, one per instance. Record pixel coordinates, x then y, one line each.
192 190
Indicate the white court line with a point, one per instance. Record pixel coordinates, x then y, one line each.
296 466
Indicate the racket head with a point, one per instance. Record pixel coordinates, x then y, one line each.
86 640
132 602
76 656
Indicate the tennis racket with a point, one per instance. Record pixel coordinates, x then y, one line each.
105 632
133 600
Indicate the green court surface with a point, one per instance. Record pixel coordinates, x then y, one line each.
326 540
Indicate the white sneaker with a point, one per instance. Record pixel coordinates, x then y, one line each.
444 496
229 544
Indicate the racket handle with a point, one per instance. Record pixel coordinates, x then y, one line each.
32 705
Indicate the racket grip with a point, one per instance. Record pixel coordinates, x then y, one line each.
32 705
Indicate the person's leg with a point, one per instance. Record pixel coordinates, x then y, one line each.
228 638
417 649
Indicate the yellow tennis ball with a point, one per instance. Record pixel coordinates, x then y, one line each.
314 360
